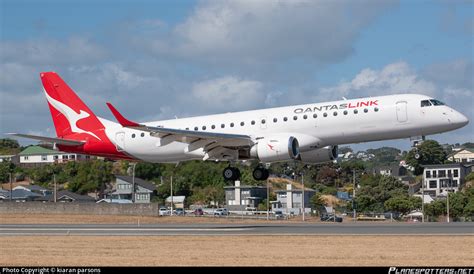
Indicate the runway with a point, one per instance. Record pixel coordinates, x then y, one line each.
466 229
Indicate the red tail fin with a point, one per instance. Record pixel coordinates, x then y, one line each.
71 116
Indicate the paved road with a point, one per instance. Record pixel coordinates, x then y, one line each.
243 229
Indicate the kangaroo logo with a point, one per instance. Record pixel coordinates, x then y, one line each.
71 115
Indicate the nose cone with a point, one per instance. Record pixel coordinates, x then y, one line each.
460 120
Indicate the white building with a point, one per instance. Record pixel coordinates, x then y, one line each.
439 179
291 200
465 155
37 155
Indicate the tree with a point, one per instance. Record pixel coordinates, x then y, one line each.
436 208
403 204
317 202
91 176
429 152
147 171
6 167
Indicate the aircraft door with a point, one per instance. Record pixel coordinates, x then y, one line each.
402 115
120 141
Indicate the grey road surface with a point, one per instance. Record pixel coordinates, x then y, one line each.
241 229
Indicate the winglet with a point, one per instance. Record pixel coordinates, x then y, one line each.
122 120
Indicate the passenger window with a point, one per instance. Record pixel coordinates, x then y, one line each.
143 134
196 128
242 124
345 112
325 114
133 135
253 122
376 109
315 115
203 127
425 103
222 125
366 110
295 117
305 116
285 119
213 126
334 113
356 111
231 124
275 120
187 128
263 121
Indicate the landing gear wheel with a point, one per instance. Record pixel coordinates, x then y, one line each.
260 174
231 173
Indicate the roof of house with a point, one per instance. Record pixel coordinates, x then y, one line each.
138 181
31 188
444 166
115 201
295 190
37 150
176 199
73 196
245 186
20 194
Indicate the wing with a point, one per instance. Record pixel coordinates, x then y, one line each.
59 141
215 145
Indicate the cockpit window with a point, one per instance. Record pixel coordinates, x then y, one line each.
436 102
425 103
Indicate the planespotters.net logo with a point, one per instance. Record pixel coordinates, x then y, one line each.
402 270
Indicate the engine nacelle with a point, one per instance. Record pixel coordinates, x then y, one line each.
276 148
320 155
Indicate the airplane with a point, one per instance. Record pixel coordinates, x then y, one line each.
310 133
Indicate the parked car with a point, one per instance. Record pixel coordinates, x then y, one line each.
163 211
179 212
198 212
330 218
221 212
278 214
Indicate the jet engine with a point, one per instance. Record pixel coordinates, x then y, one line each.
320 155
276 148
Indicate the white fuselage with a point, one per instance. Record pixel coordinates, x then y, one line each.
331 123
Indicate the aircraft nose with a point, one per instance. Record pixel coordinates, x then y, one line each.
460 119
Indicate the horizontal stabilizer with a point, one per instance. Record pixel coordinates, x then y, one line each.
59 141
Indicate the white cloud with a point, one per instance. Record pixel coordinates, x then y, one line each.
51 53
261 32
394 78
228 93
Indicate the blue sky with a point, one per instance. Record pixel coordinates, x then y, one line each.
158 59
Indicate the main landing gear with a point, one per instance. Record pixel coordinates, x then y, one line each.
232 173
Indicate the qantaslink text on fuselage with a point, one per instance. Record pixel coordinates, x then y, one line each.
340 106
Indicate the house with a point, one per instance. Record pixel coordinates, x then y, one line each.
11 158
36 189
144 190
178 201
439 179
465 155
66 196
291 200
394 170
239 197
37 156
20 195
